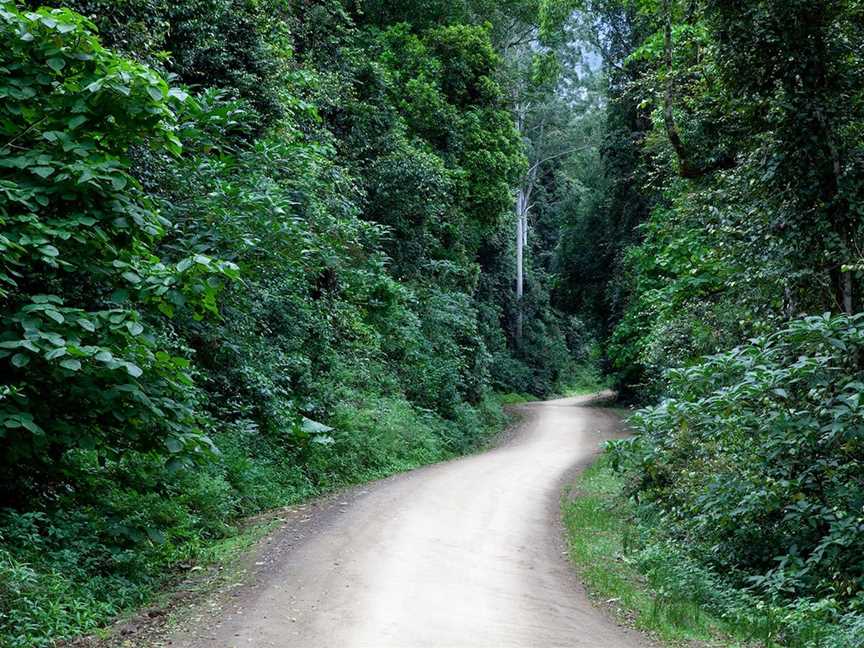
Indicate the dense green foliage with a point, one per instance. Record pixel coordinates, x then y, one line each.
726 213
655 584
655 581
754 462
730 197
78 256
250 252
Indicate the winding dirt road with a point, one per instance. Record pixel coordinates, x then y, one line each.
466 553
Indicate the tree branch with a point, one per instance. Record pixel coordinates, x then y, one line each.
686 168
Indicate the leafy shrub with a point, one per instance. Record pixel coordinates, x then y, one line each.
80 285
216 43
754 462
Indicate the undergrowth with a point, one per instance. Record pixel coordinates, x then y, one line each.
601 545
624 560
60 577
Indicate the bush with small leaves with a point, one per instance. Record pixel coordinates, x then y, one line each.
756 461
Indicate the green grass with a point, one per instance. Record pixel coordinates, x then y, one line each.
627 562
599 530
515 398
586 379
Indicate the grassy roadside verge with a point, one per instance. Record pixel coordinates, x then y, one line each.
210 564
514 398
219 567
650 587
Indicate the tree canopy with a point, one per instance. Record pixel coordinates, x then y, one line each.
254 251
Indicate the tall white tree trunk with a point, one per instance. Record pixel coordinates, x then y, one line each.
520 253
521 208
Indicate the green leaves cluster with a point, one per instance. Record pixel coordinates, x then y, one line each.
738 152
754 462
81 281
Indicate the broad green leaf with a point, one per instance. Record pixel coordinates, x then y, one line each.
173 444
175 465
71 364
178 94
55 353
30 426
55 315
46 299
155 535
134 370
20 360
314 427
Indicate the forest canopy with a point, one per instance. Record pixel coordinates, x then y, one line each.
252 251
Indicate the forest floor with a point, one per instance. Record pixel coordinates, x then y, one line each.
465 553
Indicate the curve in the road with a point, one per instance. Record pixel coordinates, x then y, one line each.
466 553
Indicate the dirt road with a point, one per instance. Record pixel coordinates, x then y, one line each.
462 554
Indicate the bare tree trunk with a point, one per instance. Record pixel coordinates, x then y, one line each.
669 94
848 305
846 285
520 251
521 206
525 228
788 301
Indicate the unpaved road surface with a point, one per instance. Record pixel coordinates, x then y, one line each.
466 553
